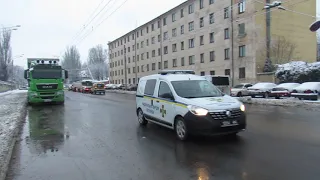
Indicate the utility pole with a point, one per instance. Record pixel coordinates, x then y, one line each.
161 39
268 29
125 68
232 41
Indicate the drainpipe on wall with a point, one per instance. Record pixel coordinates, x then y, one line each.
232 39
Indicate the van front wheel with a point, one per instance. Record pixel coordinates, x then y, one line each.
181 129
141 119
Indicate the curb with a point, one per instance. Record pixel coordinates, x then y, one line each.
15 137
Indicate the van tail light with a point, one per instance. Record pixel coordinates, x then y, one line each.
308 91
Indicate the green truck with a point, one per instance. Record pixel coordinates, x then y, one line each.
45 80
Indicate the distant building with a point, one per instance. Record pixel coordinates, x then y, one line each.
223 37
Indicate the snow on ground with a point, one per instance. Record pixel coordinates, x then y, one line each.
16 91
121 91
12 108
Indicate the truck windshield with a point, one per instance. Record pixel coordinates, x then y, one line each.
195 89
46 74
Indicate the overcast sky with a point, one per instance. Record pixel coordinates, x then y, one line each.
48 26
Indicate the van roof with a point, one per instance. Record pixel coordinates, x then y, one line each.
174 77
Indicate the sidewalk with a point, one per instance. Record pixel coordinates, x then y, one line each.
12 113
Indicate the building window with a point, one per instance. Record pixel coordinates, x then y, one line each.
201 4
134 70
191 26
137 57
242 51
165 64
226 53
242 73
142 43
191 60
128 49
147 67
138 68
242 6
182 29
159 51
202 58
212 73
147 29
242 29
211 1
191 43
159 65
181 13
153 53
159 24
201 40
142 70
159 38
153 66
165 36
165 49
226 33
173 17
174 47
141 32
132 36
212 55
191 8
152 27
147 55
133 59
182 61
147 42
128 59
137 45
202 73
211 18
128 70
137 34
226 12
129 81
134 80
152 40
227 72
174 32
182 45
142 56
174 62
212 37
164 21
201 22
121 71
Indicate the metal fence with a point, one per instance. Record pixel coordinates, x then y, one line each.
6 86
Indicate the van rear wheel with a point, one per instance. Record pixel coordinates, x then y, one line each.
142 120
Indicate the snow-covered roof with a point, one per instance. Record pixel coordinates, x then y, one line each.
309 85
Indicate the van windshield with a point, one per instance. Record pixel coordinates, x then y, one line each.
195 89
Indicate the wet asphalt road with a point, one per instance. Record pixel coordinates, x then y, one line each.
96 137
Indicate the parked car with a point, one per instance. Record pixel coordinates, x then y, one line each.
283 90
307 90
261 89
240 89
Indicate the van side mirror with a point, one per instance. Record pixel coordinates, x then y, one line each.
25 74
167 96
66 74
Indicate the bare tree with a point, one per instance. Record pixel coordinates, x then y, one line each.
5 54
71 62
97 62
318 47
282 50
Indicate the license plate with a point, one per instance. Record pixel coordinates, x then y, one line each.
229 123
47 100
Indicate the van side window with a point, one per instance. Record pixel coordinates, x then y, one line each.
164 90
150 85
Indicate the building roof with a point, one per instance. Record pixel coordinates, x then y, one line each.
158 17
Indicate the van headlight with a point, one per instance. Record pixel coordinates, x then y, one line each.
197 110
242 107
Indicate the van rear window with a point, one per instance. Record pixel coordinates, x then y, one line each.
150 85
220 81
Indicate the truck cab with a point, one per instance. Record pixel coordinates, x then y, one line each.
45 80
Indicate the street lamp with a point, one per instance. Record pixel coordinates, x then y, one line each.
11 27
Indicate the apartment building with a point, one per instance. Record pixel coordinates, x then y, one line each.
211 37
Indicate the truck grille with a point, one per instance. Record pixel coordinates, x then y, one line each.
222 115
47 86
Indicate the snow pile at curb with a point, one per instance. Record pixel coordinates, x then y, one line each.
279 102
17 91
121 91
12 113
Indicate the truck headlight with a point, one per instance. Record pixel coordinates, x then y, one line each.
60 92
197 110
242 108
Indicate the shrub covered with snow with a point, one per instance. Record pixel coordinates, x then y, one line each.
298 71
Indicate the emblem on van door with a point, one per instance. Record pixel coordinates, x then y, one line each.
228 113
163 111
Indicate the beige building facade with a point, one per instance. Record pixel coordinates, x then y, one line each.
211 37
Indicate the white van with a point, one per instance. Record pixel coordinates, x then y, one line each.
220 81
189 104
